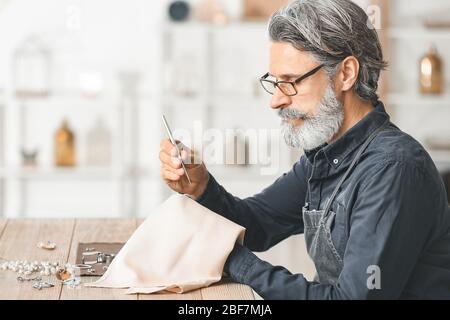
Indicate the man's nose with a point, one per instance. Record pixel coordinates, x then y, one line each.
279 100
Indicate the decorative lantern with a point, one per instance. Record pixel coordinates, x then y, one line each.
32 61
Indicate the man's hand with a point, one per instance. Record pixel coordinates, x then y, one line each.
173 174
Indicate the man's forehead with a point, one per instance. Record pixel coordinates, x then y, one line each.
287 61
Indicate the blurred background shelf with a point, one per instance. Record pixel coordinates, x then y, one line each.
409 30
231 26
415 99
78 173
414 33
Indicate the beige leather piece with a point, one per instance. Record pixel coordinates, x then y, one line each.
180 247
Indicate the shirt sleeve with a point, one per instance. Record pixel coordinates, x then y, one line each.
270 216
390 226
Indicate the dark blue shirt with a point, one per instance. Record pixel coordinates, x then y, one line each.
392 212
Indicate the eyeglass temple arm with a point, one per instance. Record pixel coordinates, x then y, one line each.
309 73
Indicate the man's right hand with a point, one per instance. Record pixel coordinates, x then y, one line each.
173 174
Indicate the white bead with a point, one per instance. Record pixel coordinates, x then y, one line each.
53 270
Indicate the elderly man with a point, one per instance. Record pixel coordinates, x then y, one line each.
367 196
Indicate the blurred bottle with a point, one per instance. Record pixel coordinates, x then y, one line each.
431 73
64 146
99 145
212 11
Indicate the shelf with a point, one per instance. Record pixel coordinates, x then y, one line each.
210 27
419 100
74 100
81 173
413 32
78 94
219 100
419 33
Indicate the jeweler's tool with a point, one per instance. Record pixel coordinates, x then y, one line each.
172 140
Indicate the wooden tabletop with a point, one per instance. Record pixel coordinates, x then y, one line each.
19 238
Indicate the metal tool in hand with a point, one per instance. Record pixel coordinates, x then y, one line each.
172 140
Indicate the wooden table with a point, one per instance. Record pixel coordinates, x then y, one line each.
19 237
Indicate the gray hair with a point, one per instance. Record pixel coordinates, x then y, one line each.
332 30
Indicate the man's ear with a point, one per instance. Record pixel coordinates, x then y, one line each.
348 73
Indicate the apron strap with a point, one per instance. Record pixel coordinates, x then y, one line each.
352 165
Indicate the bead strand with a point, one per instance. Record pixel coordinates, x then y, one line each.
23 267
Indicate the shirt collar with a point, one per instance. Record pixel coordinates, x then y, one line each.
338 152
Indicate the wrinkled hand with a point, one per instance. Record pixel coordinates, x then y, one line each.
173 174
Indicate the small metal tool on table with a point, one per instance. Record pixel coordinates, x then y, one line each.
96 255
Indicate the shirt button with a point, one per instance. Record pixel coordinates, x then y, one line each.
335 161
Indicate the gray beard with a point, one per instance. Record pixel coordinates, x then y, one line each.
316 130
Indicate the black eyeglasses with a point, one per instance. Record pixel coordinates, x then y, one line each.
286 87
